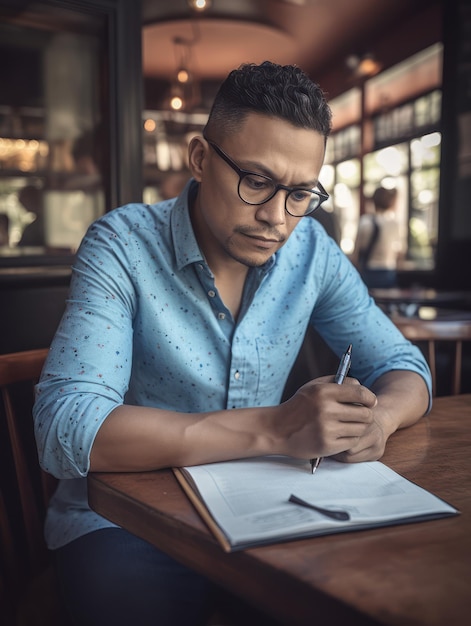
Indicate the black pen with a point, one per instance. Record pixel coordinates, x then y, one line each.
340 376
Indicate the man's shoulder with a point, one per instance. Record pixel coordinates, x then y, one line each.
309 233
136 215
311 244
310 227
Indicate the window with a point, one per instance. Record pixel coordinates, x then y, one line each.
397 143
51 185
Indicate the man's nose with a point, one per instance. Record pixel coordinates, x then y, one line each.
273 211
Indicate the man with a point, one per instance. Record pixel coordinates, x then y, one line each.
182 324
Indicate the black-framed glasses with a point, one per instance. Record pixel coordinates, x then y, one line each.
257 189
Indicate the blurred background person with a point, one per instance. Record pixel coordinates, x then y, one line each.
378 245
31 198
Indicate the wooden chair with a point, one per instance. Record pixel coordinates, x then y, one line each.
435 334
27 579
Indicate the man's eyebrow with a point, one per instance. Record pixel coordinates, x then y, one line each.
260 168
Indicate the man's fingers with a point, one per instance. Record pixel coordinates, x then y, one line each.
356 394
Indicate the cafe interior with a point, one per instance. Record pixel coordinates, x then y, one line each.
99 100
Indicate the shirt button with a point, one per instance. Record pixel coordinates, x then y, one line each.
211 293
237 374
221 316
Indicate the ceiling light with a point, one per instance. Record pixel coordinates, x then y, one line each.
183 75
369 66
177 98
185 89
149 125
199 5
363 66
176 103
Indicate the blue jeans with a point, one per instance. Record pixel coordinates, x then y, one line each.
379 279
109 576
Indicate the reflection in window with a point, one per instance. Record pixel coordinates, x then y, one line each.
424 214
391 161
397 144
425 151
389 168
347 197
427 109
51 165
414 169
166 136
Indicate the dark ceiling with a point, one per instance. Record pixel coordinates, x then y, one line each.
317 35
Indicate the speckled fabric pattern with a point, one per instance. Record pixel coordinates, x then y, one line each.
144 325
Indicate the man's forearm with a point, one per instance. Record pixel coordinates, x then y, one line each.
404 396
141 438
322 418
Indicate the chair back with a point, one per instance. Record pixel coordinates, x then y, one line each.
24 488
435 334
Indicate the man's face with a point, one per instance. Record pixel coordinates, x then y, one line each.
230 231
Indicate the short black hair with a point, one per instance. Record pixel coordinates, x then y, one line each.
384 198
283 91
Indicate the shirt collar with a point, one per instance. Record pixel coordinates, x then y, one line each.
186 247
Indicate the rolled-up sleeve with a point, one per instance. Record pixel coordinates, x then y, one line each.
79 386
345 313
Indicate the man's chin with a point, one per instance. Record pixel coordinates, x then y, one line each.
252 260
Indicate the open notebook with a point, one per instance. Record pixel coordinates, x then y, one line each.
246 502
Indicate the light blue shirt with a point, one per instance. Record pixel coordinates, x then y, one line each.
144 325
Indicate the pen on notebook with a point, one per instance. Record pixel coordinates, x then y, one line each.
340 376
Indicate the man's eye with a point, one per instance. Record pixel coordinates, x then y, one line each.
300 195
256 182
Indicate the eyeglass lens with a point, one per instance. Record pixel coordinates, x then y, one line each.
255 189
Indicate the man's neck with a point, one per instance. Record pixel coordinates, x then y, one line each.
230 281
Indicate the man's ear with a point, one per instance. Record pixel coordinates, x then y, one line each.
196 154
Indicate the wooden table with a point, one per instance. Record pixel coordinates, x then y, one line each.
411 574
421 296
